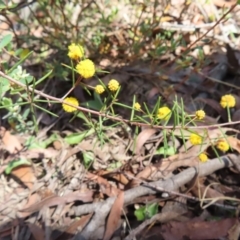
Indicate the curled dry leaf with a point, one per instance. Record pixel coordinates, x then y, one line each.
142 138
234 143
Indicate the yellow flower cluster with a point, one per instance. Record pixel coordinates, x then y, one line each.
203 157
86 68
228 101
75 51
113 85
164 113
137 106
99 89
70 100
222 145
200 114
195 139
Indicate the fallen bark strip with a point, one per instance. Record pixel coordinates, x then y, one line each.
102 208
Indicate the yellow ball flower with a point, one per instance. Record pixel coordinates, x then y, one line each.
113 85
86 68
228 101
203 157
75 51
223 145
164 113
137 106
99 89
72 101
200 114
195 139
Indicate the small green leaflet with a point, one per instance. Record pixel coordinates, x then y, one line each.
146 212
166 151
76 138
5 41
88 158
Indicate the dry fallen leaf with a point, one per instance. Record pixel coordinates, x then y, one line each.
85 196
234 232
197 229
33 199
75 226
199 189
142 138
105 186
25 174
234 143
121 178
11 142
37 232
114 216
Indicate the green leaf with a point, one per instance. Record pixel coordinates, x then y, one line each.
146 212
140 213
5 41
151 210
43 78
93 104
16 163
88 158
76 138
32 143
82 116
2 6
113 166
4 86
7 102
19 62
166 151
